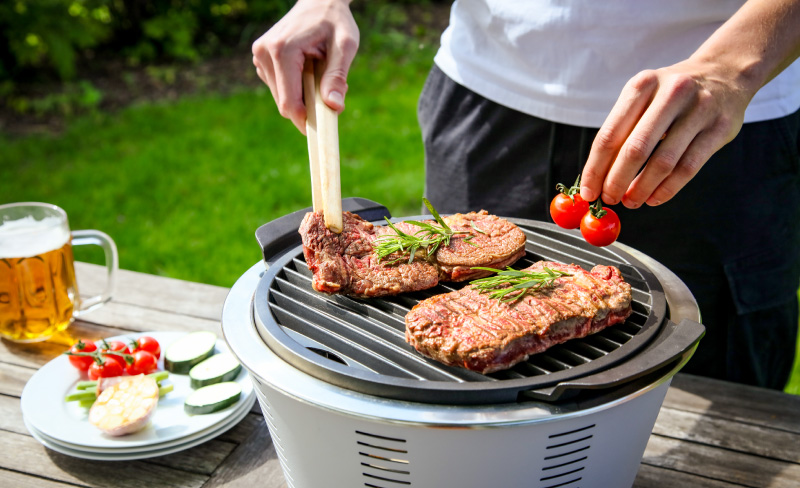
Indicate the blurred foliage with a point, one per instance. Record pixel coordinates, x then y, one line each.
40 38
53 39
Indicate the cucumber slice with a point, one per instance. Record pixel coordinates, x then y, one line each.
212 398
216 369
189 350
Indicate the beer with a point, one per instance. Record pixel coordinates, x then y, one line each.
38 292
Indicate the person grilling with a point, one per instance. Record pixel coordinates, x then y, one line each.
685 112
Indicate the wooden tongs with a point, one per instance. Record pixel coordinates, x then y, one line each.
322 130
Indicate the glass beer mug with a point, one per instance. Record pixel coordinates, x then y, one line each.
38 292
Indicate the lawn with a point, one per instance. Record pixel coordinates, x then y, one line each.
181 186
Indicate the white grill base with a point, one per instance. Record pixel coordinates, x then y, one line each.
321 448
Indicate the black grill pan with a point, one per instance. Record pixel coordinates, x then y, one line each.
359 344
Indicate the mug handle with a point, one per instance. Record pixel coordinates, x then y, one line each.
98 238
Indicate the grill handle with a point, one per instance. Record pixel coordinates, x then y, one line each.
281 234
677 341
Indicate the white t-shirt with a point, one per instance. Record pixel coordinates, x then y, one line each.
568 60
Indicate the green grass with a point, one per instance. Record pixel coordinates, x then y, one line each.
182 186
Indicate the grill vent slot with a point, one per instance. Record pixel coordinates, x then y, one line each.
567 453
384 460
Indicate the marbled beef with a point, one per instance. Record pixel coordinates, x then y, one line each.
469 329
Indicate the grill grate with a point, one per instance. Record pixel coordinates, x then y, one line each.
360 344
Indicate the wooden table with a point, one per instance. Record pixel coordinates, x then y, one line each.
709 433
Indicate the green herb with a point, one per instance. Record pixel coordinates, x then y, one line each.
510 285
428 238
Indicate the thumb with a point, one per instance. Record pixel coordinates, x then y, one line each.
333 84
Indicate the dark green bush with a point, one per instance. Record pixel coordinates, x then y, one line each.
43 40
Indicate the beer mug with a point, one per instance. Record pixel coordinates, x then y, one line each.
38 292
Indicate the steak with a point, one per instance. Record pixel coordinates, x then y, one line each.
346 263
469 329
495 243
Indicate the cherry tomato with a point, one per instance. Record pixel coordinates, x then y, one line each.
601 231
106 368
143 363
567 212
116 346
146 343
82 362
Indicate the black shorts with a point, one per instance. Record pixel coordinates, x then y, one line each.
732 234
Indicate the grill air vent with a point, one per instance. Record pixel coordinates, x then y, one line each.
566 458
384 460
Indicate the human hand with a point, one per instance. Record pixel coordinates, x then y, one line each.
694 108
319 29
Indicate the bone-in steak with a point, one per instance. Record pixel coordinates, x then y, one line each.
346 263
469 329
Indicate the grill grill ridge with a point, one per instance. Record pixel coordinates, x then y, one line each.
367 336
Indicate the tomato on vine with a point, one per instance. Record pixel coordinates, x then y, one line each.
568 208
146 343
118 350
143 362
600 226
105 367
82 362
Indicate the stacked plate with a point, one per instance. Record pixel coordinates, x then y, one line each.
64 426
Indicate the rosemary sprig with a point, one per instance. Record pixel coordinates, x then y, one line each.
510 285
428 238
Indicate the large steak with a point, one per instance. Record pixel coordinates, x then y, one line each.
346 263
469 329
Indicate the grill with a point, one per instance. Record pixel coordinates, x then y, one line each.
339 385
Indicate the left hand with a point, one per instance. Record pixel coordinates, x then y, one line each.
694 108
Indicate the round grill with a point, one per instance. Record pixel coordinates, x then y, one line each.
360 344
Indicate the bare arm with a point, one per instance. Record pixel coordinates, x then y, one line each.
698 103
319 29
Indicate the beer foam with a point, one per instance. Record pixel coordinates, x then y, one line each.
28 237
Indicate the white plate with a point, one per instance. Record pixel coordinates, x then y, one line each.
212 431
44 408
149 453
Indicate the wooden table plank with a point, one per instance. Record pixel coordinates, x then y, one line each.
170 295
747 404
13 378
720 464
732 435
11 415
23 453
657 477
13 479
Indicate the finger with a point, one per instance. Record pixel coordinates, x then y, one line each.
663 161
639 146
288 70
333 84
630 106
699 151
269 81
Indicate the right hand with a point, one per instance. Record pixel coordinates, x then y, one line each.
319 29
